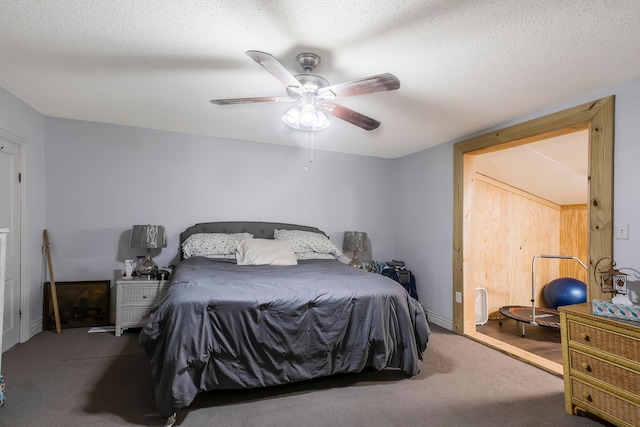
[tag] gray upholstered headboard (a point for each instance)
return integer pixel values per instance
(261, 230)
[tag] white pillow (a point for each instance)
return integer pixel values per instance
(306, 243)
(213, 245)
(265, 252)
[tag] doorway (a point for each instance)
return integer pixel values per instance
(596, 117)
(528, 200)
(10, 217)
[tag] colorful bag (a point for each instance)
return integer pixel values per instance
(3, 394)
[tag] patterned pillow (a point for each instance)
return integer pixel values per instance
(213, 245)
(309, 245)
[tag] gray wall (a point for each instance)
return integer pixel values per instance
(425, 233)
(88, 183)
(101, 179)
(424, 225)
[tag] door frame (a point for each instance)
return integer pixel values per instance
(24, 272)
(598, 117)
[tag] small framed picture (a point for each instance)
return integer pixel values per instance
(80, 304)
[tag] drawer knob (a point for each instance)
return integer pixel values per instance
(586, 396)
(585, 336)
(586, 366)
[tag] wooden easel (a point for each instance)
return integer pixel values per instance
(52, 283)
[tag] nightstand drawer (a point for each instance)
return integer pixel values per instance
(140, 294)
(609, 373)
(134, 315)
(600, 402)
(604, 340)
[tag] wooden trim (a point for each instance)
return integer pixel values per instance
(601, 152)
(576, 207)
(598, 117)
(518, 353)
(458, 219)
(517, 191)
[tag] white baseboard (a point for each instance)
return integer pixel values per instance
(34, 328)
(440, 320)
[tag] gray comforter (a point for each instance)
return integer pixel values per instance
(224, 326)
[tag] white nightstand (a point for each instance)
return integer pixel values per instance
(134, 298)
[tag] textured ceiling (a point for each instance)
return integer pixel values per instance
(464, 66)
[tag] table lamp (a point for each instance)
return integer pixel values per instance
(148, 237)
(355, 241)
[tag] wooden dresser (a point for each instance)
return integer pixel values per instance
(601, 361)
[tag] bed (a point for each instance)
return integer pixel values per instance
(270, 309)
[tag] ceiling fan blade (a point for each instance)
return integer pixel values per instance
(232, 101)
(361, 86)
(347, 114)
(271, 64)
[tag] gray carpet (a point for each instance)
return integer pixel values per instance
(80, 379)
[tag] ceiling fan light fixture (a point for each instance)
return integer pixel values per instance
(315, 119)
(322, 123)
(310, 90)
(292, 117)
(308, 115)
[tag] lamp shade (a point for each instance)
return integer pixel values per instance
(148, 236)
(322, 122)
(292, 118)
(308, 115)
(355, 241)
(305, 117)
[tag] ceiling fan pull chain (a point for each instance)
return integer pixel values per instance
(312, 133)
(309, 159)
(306, 150)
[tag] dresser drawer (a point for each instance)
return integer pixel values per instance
(145, 295)
(617, 376)
(597, 401)
(603, 340)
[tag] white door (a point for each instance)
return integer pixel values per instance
(10, 218)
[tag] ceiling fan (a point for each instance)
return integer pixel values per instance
(313, 94)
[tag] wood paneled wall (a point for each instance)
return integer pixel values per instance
(573, 240)
(509, 227)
